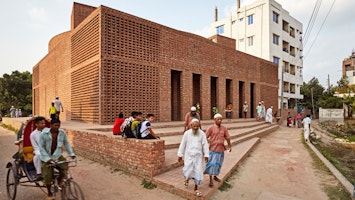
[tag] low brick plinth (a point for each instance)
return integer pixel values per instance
(142, 158)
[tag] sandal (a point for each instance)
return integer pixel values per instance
(186, 183)
(216, 179)
(211, 184)
(198, 193)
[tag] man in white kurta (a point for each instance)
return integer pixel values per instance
(268, 117)
(34, 137)
(306, 122)
(193, 148)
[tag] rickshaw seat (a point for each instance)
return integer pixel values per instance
(28, 154)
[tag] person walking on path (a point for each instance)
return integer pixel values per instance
(306, 122)
(268, 117)
(193, 148)
(52, 111)
(258, 112)
(12, 112)
(58, 105)
(216, 134)
(299, 120)
(263, 110)
(245, 109)
(189, 116)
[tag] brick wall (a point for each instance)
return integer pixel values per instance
(81, 12)
(52, 78)
(225, 41)
(115, 62)
(143, 158)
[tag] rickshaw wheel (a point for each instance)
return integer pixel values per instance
(11, 183)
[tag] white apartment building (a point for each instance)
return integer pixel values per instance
(266, 30)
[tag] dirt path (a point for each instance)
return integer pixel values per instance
(97, 181)
(279, 168)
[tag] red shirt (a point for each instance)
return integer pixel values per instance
(116, 126)
(217, 135)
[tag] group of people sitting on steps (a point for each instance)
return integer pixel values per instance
(134, 126)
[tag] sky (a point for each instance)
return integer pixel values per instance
(28, 26)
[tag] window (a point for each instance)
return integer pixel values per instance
(220, 29)
(241, 40)
(250, 41)
(276, 60)
(241, 19)
(275, 17)
(275, 39)
(233, 22)
(250, 19)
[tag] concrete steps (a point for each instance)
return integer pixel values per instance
(172, 180)
(244, 137)
(235, 130)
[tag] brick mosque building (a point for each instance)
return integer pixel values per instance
(111, 62)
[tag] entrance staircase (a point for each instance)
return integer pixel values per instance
(245, 135)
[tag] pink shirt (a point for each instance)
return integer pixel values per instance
(188, 118)
(217, 135)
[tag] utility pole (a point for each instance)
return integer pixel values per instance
(282, 91)
(328, 84)
(312, 102)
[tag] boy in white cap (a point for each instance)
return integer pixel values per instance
(189, 116)
(216, 134)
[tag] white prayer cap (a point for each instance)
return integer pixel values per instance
(217, 116)
(194, 120)
(193, 108)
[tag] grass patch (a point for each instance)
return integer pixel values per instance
(336, 191)
(227, 185)
(9, 127)
(148, 184)
(115, 170)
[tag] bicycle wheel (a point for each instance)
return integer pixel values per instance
(11, 183)
(72, 191)
(313, 138)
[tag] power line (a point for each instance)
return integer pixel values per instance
(311, 22)
(320, 29)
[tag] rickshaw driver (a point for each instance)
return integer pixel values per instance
(51, 142)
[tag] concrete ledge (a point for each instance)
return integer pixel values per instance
(349, 187)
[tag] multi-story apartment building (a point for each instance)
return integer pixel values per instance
(266, 30)
(349, 68)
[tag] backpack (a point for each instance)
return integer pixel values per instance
(127, 131)
(137, 131)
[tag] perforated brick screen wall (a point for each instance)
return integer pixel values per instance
(129, 70)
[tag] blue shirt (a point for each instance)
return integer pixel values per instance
(45, 145)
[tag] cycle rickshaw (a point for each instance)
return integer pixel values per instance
(21, 170)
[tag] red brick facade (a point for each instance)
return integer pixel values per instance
(111, 62)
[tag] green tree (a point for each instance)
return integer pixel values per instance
(343, 85)
(307, 89)
(16, 90)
